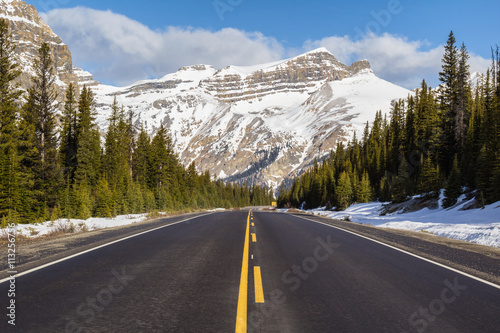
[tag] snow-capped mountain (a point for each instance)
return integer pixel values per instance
(257, 124)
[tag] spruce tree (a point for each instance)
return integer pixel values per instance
(141, 157)
(103, 199)
(10, 196)
(343, 191)
(116, 159)
(89, 146)
(453, 187)
(429, 178)
(449, 95)
(364, 192)
(463, 97)
(69, 141)
(403, 184)
(40, 112)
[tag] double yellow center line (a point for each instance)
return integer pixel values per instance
(241, 315)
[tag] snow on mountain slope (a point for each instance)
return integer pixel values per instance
(257, 124)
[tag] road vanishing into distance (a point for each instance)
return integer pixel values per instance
(249, 271)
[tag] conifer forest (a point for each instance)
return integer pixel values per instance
(443, 138)
(61, 166)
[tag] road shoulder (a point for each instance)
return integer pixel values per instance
(478, 260)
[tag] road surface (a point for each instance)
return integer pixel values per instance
(249, 271)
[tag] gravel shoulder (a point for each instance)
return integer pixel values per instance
(478, 260)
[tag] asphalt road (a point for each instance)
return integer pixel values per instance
(187, 277)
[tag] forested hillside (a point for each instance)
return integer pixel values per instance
(53, 167)
(447, 137)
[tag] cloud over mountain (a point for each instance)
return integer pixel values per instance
(120, 51)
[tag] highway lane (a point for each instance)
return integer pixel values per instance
(182, 278)
(186, 278)
(327, 280)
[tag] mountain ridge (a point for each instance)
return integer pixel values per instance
(243, 127)
(256, 124)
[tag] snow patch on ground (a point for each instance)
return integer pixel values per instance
(480, 225)
(76, 225)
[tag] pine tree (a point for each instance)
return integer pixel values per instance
(89, 146)
(116, 159)
(343, 191)
(39, 111)
(449, 95)
(103, 199)
(429, 178)
(453, 188)
(141, 157)
(403, 184)
(69, 141)
(463, 97)
(10, 196)
(28, 156)
(162, 161)
(364, 191)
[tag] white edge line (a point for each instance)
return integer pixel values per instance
(409, 253)
(97, 247)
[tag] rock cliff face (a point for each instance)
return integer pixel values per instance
(299, 74)
(29, 31)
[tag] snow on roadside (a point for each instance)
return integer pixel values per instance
(480, 226)
(76, 225)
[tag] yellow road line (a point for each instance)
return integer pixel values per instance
(241, 314)
(253, 225)
(254, 238)
(259, 291)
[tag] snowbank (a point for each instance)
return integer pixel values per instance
(75, 225)
(480, 226)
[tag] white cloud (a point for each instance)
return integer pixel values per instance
(394, 58)
(120, 50)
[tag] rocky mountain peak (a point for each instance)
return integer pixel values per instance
(195, 68)
(29, 31)
(304, 73)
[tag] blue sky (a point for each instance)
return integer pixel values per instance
(401, 38)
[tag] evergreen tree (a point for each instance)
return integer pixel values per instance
(162, 161)
(453, 188)
(39, 111)
(103, 199)
(141, 157)
(449, 103)
(364, 191)
(403, 184)
(429, 178)
(116, 159)
(89, 146)
(463, 96)
(343, 191)
(10, 196)
(69, 141)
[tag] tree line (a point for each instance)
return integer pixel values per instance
(54, 166)
(447, 137)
